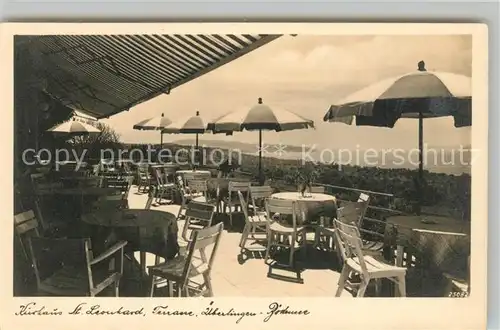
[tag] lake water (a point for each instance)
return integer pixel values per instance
(448, 162)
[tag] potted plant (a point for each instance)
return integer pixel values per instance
(305, 178)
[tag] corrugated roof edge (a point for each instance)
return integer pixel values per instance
(259, 43)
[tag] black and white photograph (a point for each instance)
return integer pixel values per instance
(289, 165)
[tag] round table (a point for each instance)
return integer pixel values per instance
(316, 205)
(151, 231)
(439, 233)
(406, 223)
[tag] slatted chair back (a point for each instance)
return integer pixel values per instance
(366, 199)
(37, 177)
(280, 209)
(112, 202)
(201, 240)
(351, 242)
(68, 266)
(120, 184)
(234, 187)
(169, 173)
(216, 184)
(26, 226)
(258, 195)
(198, 215)
(193, 175)
(198, 186)
(50, 255)
(352, 212)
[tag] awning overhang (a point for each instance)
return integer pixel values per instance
(103, 75)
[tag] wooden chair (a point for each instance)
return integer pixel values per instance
(48, 219)
(26, 226)
(189, 176)
(183, 269)
(197, 189)
(143, 177)
(120, 184)
(257, 222)
(198, 216)
(258, 195)
(115, 201)
(232, 199)
(67, 267)
(366, 267)
(324, 236)
(163, 188)
(281, 234)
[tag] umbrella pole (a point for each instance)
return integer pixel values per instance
(421, 161)
(197, 156)
(260, 155)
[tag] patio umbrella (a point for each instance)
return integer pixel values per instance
(420, 94)
(73, 127)
(258, 118)
(152, 124)
(187, 125)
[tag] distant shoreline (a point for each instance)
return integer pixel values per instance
(290, 156)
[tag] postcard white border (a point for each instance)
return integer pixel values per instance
(409, 313)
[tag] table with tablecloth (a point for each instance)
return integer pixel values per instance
(311, 207)
(150, 231)
(432, 242)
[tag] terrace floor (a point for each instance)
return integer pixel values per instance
(233, 275)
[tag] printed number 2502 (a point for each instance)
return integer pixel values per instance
(459, 294)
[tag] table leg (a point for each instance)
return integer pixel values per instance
(142, 257)
(399, 256)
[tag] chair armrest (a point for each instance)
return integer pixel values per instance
(109, 252)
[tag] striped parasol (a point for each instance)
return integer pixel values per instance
(420, 94)
(258, 118)
(187, 125)
(74, 127)
(153, 124)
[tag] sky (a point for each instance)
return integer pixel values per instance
(306, 74)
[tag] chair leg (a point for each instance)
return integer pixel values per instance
(378, 287)
(362, 287)
(208, 283)
(244, 236)
(152, 286)
(170, 285)
(401, 285)
(292, 250)
(269, 244)
(117, 288)
(342, 280)
(230, 216)
(304, 246)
